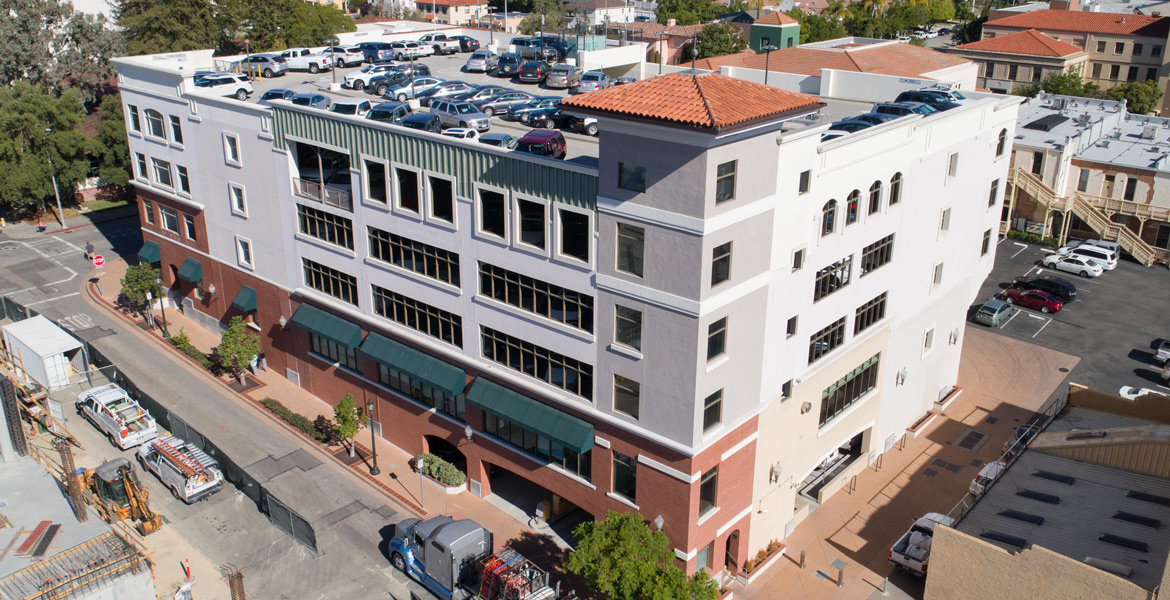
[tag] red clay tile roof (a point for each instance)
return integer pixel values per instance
(776, 18)
(1087, 22)
(890, 58)
(650, 30)
(705, 101)
(1029, 43)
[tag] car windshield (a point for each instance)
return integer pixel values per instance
(302, 100)
(380, 115)
(207, 82)
(530, 147)
(464, 109)
(272, 95)
(345, 109)
(480, 55)
(591, 77)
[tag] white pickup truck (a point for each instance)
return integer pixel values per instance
(440, 42)
(189, 472)
(303, 59)
(118, 416)
(912, 551)
(1163, 353)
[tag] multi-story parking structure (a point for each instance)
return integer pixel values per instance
(716, 321)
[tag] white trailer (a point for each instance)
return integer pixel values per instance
(43, 353)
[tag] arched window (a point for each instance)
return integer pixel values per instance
(829, 217)
(851, 207)
(1002, 145)
(154, 124)
(895, 189)
(875, 197)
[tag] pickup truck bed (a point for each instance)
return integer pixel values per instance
(1163, 353)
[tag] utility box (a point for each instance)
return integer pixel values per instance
(43, 353)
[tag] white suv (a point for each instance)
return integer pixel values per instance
(362, 78)
(1101, 256)
(226, 84)
(112, 411)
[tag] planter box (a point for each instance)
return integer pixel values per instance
(760, 568)
(447, 489)
(956, 391)
(922, 424)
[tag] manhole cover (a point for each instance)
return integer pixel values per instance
(971, 440)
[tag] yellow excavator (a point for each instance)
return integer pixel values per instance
(114, 490)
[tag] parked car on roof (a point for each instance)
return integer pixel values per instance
(593, 81)
(266, 65)
(482, 61)
(993, 312)
(549, 118)
(1085, 267)
(1101, 256)
(275, 94)
(508, 64)
(408, 50)
(351, 106)
(311, 100)
(501, 140)
(462, 133)
(1020, 439)
(303, 59)
(376, 52)
(586, 125)
(440, 44)
(934, 99)
(563, 76)
(520, 112)
(423, 122)
(345, 56)
(378, 85)
(850, 125)
(367, 73)
(445, 89)
(461, 114)
(503, 102)
(483, 92)
(875, 118)
(414, 69)
(234, 85)
(389, 112)
(408, 89)
(903, 109)
(534, 71)
(1133, 393)
(542, 142)
(467, 43)
(624, 80)
(1034, 299)
(535, 48)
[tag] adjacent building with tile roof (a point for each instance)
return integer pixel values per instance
(774, 29)
(1023, 58)
(453, 12)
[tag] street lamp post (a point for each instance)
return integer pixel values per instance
(163, 307)
(374, 470)
(56, 192)
(767, 59)
(661, 48)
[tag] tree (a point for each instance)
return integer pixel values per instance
(154, 26)
(313, 24)
(689, 12)
(553, 13)
(971, 31)
(36, 127)
(1141, 97)
(720, 39)
(815, 28)
(138, 280)
(237, 347)
(346, 420)
(49, 44)
(108, 146)
(939, 11)
(622, 558)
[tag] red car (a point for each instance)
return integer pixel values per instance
(1034, 299)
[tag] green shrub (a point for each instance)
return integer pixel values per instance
(1032, 238)
(181, 339)
(297, 420)
(440, 470)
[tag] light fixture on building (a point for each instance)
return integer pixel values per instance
(658, 522)
(901, 378)
(210, 290)
(804, 408)
(468, 432)
(954, 336)
(283, 322)
(774, 473)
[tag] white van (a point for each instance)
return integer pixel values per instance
(112, 411)
(189, 472)
(987, 476)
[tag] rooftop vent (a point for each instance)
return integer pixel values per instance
(1149, 131)
(1085, 435)
(1022, 516)
(1041, 496)
(1109, 566)
(1151, 498)
(1117, 540)
(1057, 477)
(1046, 123)
(1010, 540)
(1140, 520)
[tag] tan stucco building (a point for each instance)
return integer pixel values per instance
(1021, 59)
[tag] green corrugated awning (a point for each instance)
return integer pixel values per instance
(570, 431)
(191, 271)
(148, 253)
(328, 326)
(413, 362)
(245, 299)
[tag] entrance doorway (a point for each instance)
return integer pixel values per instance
(446, 451)
(521, 498)
(732, 561)
(1163, 238)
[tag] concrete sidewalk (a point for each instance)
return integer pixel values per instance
(19, 230)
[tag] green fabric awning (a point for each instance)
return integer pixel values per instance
(415, 363)
(148, 253)
(570, 431)
(191, 271)
(328, 326)
(245, 299)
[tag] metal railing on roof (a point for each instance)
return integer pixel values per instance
(329, 196)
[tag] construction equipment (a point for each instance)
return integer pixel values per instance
(509, 576)
(114, 490)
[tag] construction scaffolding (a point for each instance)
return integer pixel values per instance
(77, 571)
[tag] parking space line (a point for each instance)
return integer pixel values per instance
(1046, 323)
(1014, 313)
(1022, 248)
(1163, 387)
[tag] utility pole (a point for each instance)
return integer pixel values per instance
(56, 192)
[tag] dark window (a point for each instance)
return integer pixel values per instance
(1131, 74)
(630, 247)
(725, 182)
(993, 195)
(148, 210)
(532, 295)
(1101, 46)
(442, 199)
(849, 389)
(1119, 48)
(826, 340)
(851, 207)
(330, 281)
(540, 363)
(875, 197)
(1037, 163)
(625, 476)
(989, 70)
(532, 222)
(346, 357)
(176, 130)
(491, 213)
(829, 217)
(1130, 188)
(184, 181)
(798, 260)
(154, 123)
(407, 189)
(626, 395)
(986, 243)
(712, 410)
(628, 327)
(422, 391)
(418, 316)
(877, 254)
(325, 226)
(537, 445)
(1096, 70)
(141, 162)
(707, 488)
(805, 182)
(791, 328)
(190, 222)
(1001, 145)
(1013, 72)
(575, 234)
(170, 218)
(421, 258)
(832, 278)
(720, 264)
(631, 177)
(135, 122)
(869, 313)
(1083, 180)
(717, 338)
(376, 182)
(896, 189)
(1137, 49)
(1037, 74)
(1151, 73)
(1155, 50)
(1114, 71)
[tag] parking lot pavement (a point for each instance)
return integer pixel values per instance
(1113, 325)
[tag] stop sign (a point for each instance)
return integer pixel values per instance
(99, 260)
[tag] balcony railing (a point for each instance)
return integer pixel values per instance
(329, 196)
